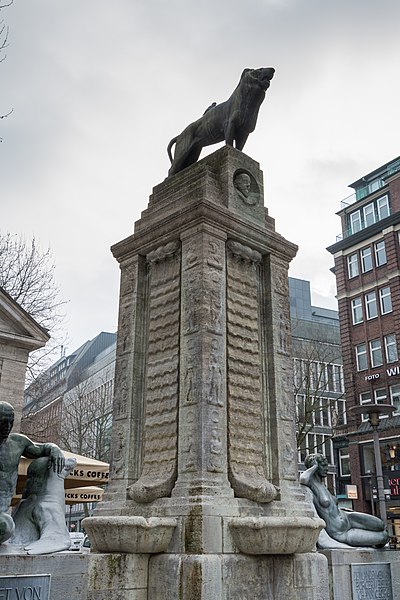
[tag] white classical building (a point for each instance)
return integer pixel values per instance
(20, 334)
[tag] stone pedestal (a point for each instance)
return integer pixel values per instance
(203, 421)
(377, 576)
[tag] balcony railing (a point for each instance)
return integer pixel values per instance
(348, 201)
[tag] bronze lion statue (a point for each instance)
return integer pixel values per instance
(231, 121)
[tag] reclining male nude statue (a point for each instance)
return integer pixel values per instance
(343, 529)
(12, 447)
(40, 516)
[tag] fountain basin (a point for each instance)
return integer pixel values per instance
(133, 535)
(275, 535)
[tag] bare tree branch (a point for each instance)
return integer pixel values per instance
(318, 389)
(86, 420)
(27, 275)
(4, 33)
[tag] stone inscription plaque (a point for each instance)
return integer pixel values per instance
(25, 587)
(371, 580)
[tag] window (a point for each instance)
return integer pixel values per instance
(328, 449)
(390, 348)
(375, 351)
(297, 373)
(352, 265)
(369, 214)
(365, 398)
(366, 259)
(323, 412)
(344, 462)
(356, 311)
(395, 397)
(314, 375)
(375, 185)
(355, 221)
(385, 300)
(380, 396)
(382, 205)
(361, 357)
(380, 253)
(338, 378)
(371, 307)
(341, 411)
(328, 377)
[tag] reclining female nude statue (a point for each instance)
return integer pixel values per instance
(343, 529)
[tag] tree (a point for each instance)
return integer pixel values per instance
(86, 419)
(4, 31)
(318, 389)
(78, 419)
(27, 275)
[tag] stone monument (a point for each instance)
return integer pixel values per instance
(204, 500)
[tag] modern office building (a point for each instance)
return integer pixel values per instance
(367, 270)
(318, 375)
(71, 402)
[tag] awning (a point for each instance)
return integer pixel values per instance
(83, 494)
(87, 472)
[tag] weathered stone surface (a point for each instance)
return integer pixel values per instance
(235, 577)
(115, 574)
(340, 562)
(69, 572)
(275, 535)
(204, 412)
(135, 535)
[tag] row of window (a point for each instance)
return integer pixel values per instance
(321, 411)
(316, 375)
(369, 214)
(381, 396)
(376, 351)
(371, 301)
(366, 258)
(316, 442)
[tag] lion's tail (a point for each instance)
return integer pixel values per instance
(172, 142)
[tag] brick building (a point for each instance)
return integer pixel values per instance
(367, 269)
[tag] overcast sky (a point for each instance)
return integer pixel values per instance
(98, 88)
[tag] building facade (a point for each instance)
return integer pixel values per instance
(20, 334)
(367, 270)
(318, 376)
(71, 403)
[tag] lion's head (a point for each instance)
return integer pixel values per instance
(260, 76)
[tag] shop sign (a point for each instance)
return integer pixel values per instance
(391, 372)
(394, 484)
(351, 492)
(372, 377)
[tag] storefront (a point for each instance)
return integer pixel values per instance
(390, 457)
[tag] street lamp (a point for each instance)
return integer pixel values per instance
(374, 411)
